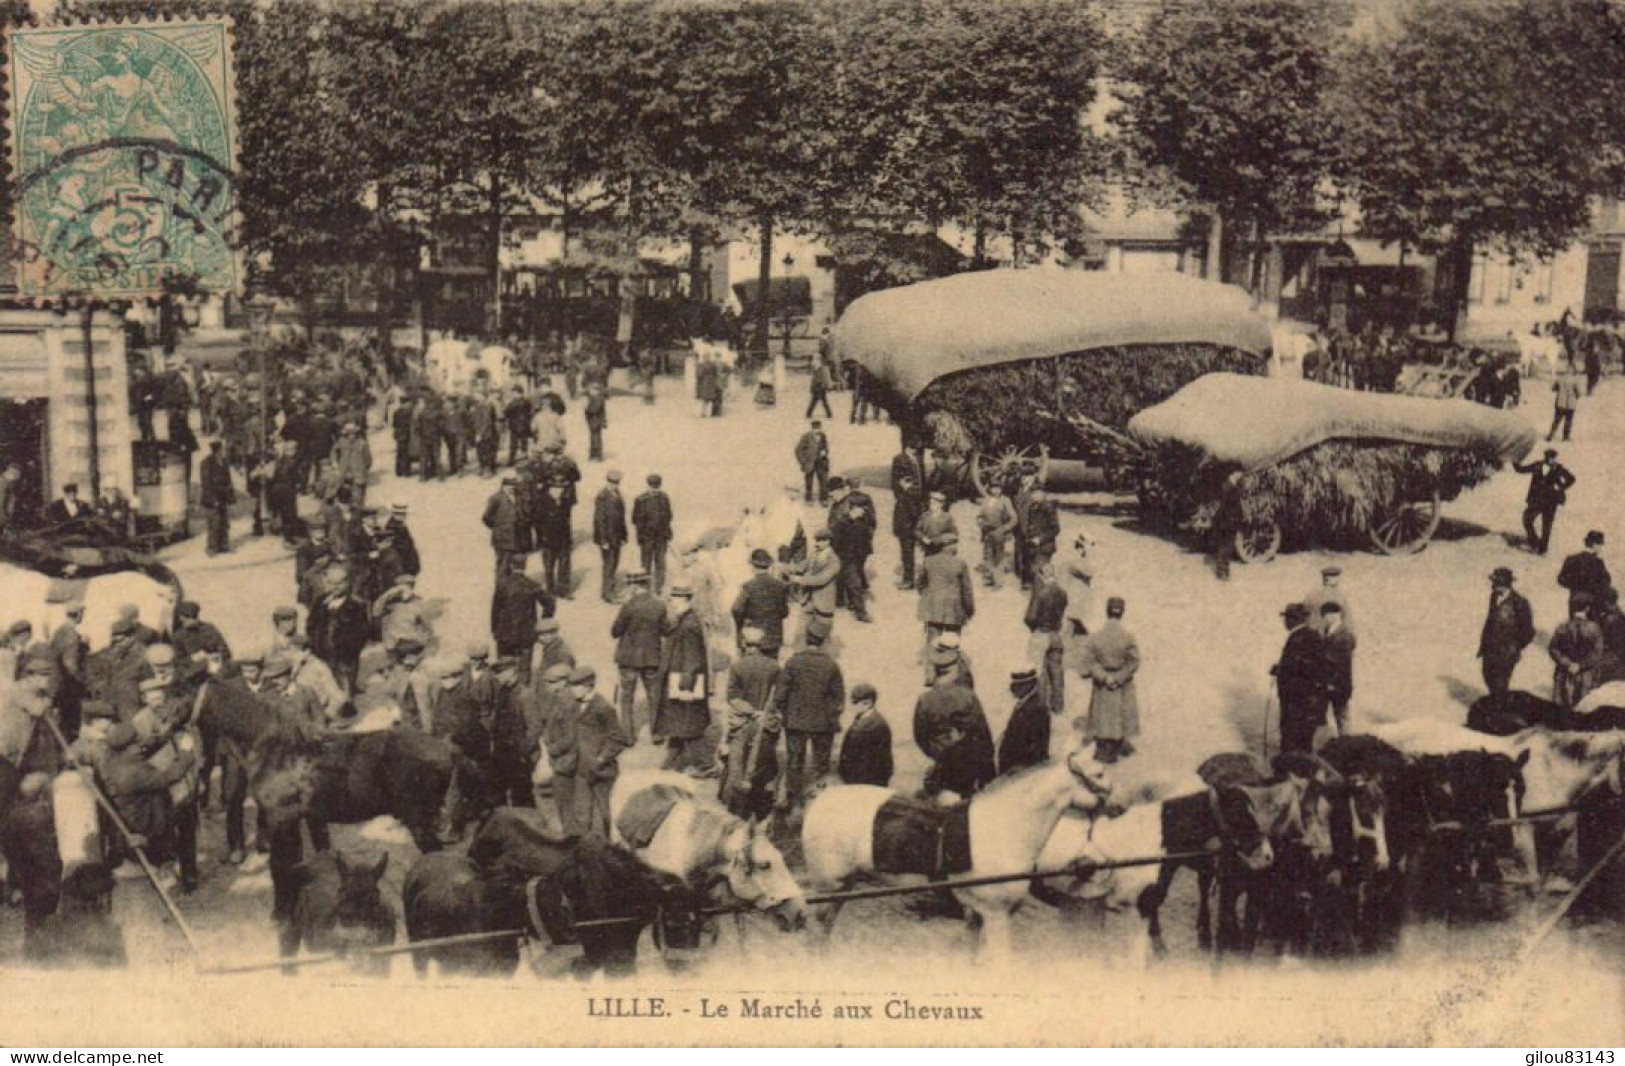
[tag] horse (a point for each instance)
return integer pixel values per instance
(657, 815)
(1247, 822)
(338, 907)
(521, 873)
(1364, 833)
(1562, 770)
(337, 777)
(1000, 831)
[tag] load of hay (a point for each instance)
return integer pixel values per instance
(1027, 403)
(1333, 492)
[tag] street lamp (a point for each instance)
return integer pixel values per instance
(259, 310)
(789, 321)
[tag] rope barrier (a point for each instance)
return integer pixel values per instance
(390, 949)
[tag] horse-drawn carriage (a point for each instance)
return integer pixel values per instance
(1003, 372)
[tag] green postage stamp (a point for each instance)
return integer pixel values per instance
(123, 150)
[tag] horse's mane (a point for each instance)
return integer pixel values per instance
(248, 719)
(1581, 747)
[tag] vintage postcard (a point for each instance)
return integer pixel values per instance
(813, 522)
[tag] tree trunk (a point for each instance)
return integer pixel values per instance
(1255, 252)
(494, 264)
(626, 330)
(698, 283)
(1461, 274)
(1215, 248)
(979, 249)
(764, 283)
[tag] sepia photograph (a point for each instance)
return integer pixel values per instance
(815, 523)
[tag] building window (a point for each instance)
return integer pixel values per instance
(1475, 281)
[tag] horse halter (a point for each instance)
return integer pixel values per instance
(1101, 790)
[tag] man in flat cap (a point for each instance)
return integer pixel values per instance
(400, 535)
(908, 507)
(596, 411)
(763, 603)
(1509, 628)
(609, 532)
(1339, 644)
(284, 626)
(652, 519)
(1026, 733)
(638, 629)
(936, 525)
(338, 626)
(808, 702)
(553, 716)
(682, 711)
(1576, 651)
(216, 494)
(311, 559)
(813, 584)
(599, 743)
(1111, 660)
(551, 649)
(751, 732)
(352, 459)
(114, 673)
(1300, 680)
(1042, 530)
(194, 638)
(509, 525)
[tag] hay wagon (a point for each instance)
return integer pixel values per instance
(1266, 461)
(1003, 372)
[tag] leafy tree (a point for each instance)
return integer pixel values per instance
(961, 111)
(1228, 100)
(1486, 122)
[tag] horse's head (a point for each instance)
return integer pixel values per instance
(1301, 812)
(1367, 808)
(282, 776)
(757, 874)
(1092, 783)
(359, 878)
(1240, 827)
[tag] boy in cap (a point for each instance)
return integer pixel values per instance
(866, 750)
(996, 519)
(284, 627)
(1576, 651)
(936, 526)
(1330, 590)
(599, 743)
(1509, 627)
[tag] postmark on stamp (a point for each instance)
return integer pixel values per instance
(123, 143)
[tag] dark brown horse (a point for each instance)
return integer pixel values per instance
(334, 777)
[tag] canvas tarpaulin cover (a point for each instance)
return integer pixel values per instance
(1254, 422)
(908, 337)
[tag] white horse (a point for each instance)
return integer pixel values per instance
(698, 840)
(1009, 822)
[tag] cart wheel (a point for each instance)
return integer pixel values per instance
(1258, 543)
(1408, 528)
(1007, 467)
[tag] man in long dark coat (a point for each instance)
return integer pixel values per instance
(1509, 627)
(551, 517)
(752, 681)
(509, 525)
(682, 697)
(515, 604)
(808, 702)
(216, 493)
(338, 627)
(638, 629)
(609, 531)
(652, 518)
(400, 422)
(1585, 571)
(1300, 679)
(907, 508)
(866, 755)
(852, 535)
(763, 603)
(1026, 735)
(599, 743)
